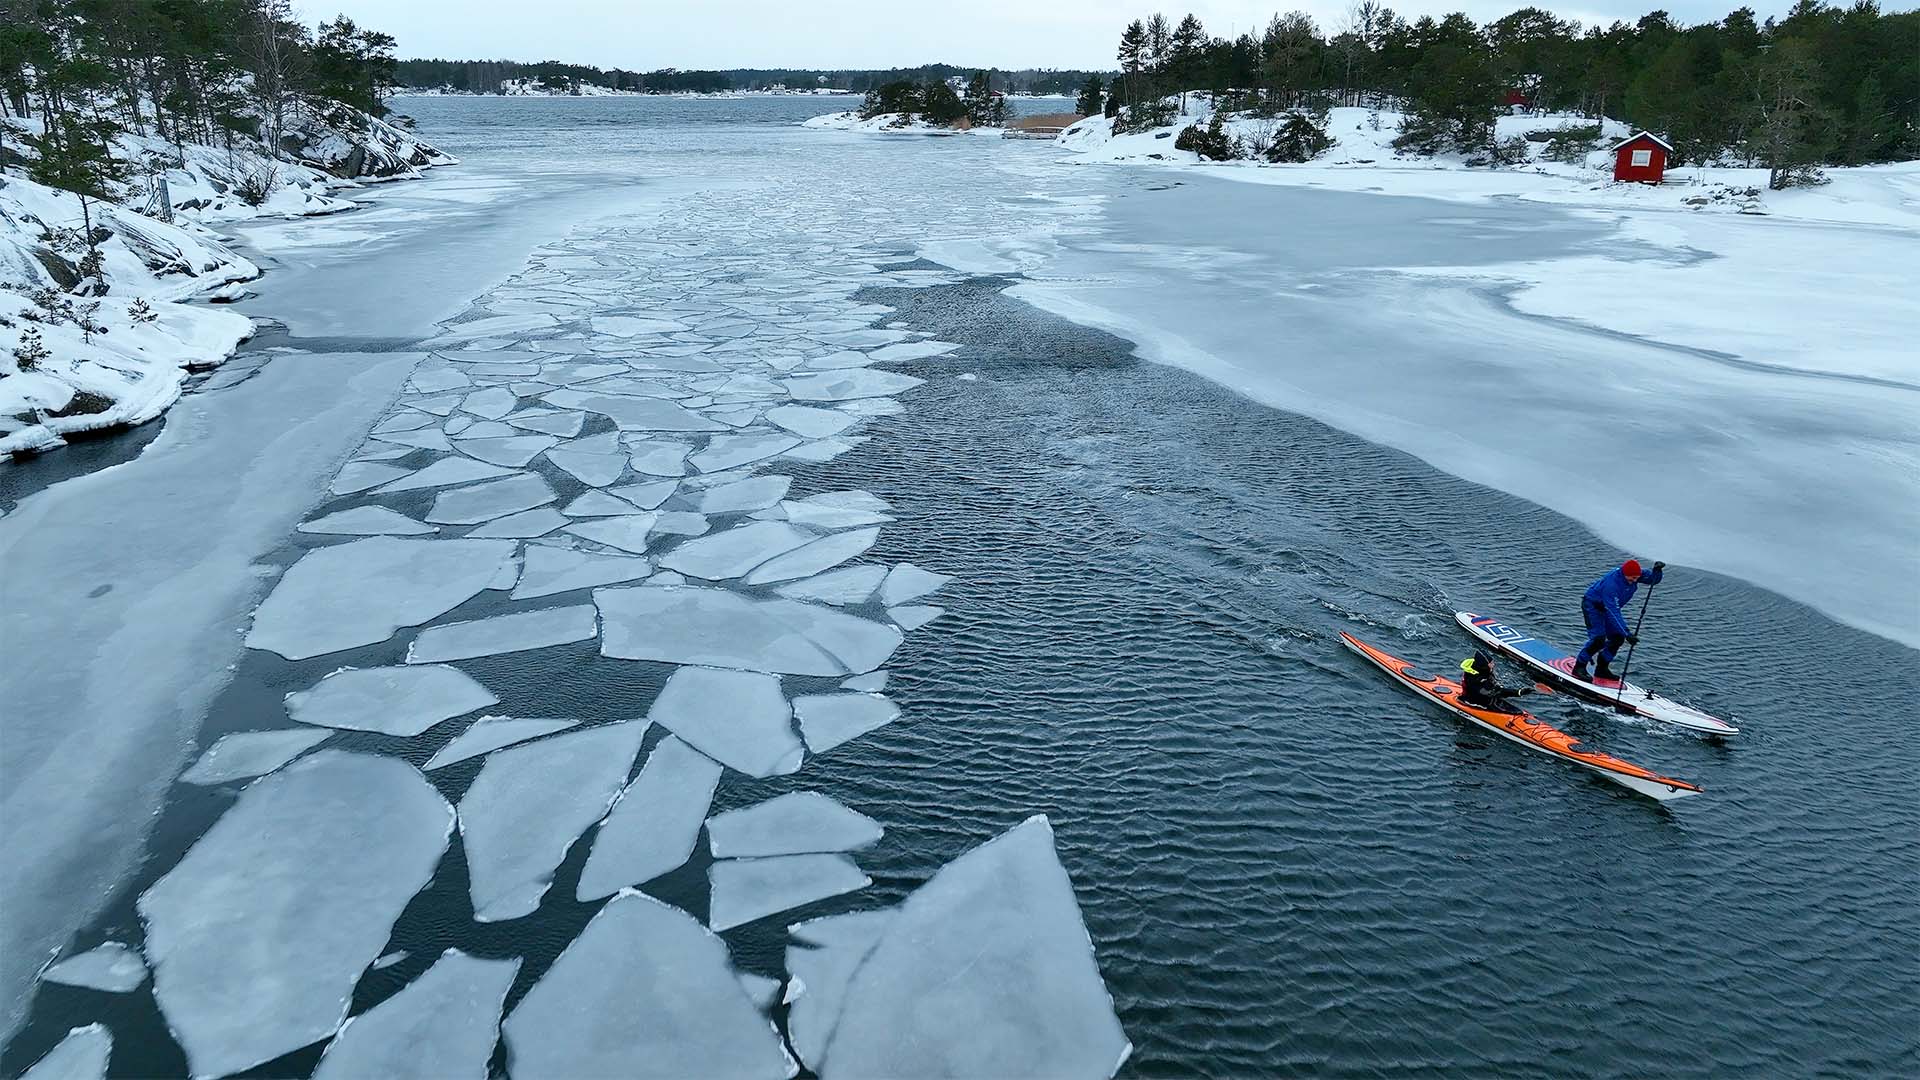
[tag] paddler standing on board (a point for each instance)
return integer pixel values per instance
(1606, 624)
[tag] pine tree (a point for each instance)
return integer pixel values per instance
(1088, 103)
(1133, 59)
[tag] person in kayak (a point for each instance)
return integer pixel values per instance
(1602, 607)
(1481, 687)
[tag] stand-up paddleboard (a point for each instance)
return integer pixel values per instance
(1524, 728)
(1555, 668)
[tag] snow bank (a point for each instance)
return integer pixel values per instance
(883, 124)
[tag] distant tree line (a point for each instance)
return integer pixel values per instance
(485, 77)
(935, 101)
(1823, 85)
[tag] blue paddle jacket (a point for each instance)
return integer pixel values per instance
(1613, 592)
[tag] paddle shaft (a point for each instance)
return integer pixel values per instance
(1619, 696)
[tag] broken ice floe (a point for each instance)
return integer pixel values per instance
(847, 384)
(517, 632)
(247, 754)
(491, 403)
(648, 495)
(597, 504)
(728, 451)
(913, 350)
(549, 570)
(811, 423)
(652, 829)
(872, 682)
(914, 616)
(111, 967)
(996, 937)
(734, 552)
(630, 413)
(753, 493)
(747, 889)
(425, 439)
(628, 533)
(362, 592)
(593, 470)
(258, 935)
(530, 803)
(82, 1055)
(738, 718)
(828, 951)
(838, 510)
(851, 585)
(549, 421)
(441, 1026)
(908, 582)
(367, 521)
(392, 700)
(762, 991)
(493, 499)
(490, 733)
(796, 823)
(524, 525)
(444, 473)
(827, 720)
(696, 625)
(673, 1009)
(656, 458)
(357, 476)
(811, 559)
(513, 451)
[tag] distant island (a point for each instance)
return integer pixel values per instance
(555, 79)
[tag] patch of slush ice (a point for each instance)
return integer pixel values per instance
(494, 499)
(529, 523)
(908, 582)
(111, 967)
(358, 476)
(509, 450)
(490, 733)
(796, 823)
(914, 616)
(831, 949)
(732, 553)
(913, 350)
(504, 634)
(597, 504)
(724, 452)
(671, 1006)
(827, 720)
(749, 889)
(738, 718)
(442, 1025)
(82, 1055)
(698, 625)
(821, 554)
(259, 934)
(361, 592)
(593, 470)
(245, 754)
(646, 496)
(549, 570)
(445, 473)
(811, 423)
(656, 458)
(848, 384)
(653, 828)
(491, 403)
(995, 937)
(754, 493)
(627, 533)
(366, 521)
(853, 585)
(391, 700)
(528, 806)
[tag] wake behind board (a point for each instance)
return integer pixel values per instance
(1555, 668)
(1523, 728)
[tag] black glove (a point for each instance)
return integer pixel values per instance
(1633, 639)
(1523, 690)
(1657, 565)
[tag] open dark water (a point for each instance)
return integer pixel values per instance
(1288, 865)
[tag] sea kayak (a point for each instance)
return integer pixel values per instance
(1524, 728)
(1555, 668)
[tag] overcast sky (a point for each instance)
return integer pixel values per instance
(647, 34)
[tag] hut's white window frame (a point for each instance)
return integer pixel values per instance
(1642, 158)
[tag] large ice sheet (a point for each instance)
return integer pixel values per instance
(696, 625)
(444, 473)
(392, 700)
(112, 967)
(851, 585)
(828, 952)
(792, 824)
(738, 718)
(250, 753)
(908, 582)
(367, 521)
(548, 570)
(494, 499)
(652, 829)
(749, 889)
(645, 991)
(490, 733)
(258, 935)
(753, 493)
(735, 551)
(724, 452)
(441, 1026)
(821, 554)
(848, 384)
(530, 803)
(361, 592)
(82, 1055)
(827, 720)
(517, 632)
(994, 942)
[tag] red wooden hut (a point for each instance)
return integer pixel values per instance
(1641, 159)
